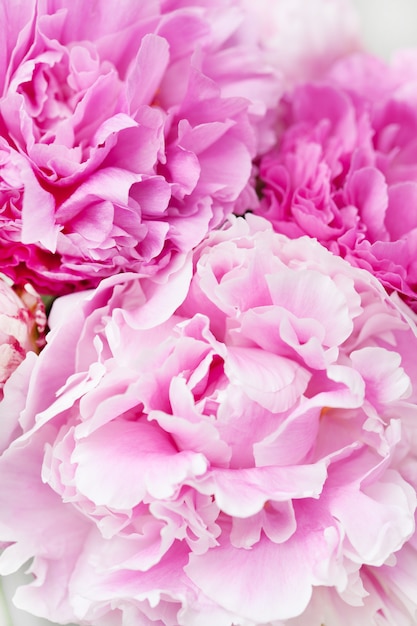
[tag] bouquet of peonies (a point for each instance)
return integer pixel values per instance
(215, 423)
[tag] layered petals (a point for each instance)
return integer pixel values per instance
(242, 452)
(122, 141)
(22, 329)
(344, 167)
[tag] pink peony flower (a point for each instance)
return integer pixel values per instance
(344, 169)
(126, 133)
(22, 326)
(247, 457)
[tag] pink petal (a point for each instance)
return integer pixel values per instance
(235, 578)
(273, 381)
(121, 462)
(243, 492)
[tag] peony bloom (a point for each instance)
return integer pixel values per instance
(344, 169)
(22, 326)
(244, 458)
(127, 131)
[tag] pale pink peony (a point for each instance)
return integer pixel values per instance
(22, 327)
(344, 169)
(303, 38)
(246, 458)
(127, 131)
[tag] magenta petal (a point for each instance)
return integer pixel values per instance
(38, 209)
(400, 220)
(368, 191)
(147, 71)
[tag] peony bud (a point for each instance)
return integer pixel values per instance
(22, 326)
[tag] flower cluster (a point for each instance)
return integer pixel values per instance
(216, 422)
(344, 169)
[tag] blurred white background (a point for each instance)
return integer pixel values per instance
(387, 24)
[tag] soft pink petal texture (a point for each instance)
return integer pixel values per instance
(401, 582)
(232, 441)
(140, 104)
(344, 167)
(227, 574)
(373, 543)
(383, 375)
(159, 593)
(140, 453)
(55, 542)
(138, 302)
(17, 17)
(303, 302)
(270, 380)
(243, 493)
(14, 399)
(327, 607)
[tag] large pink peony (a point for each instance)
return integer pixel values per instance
(127, 130)
(246, 458)
(345, 167)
